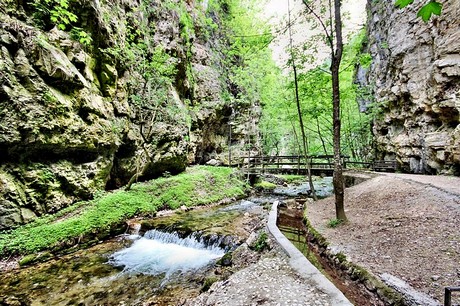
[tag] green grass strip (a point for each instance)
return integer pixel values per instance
(198, 185)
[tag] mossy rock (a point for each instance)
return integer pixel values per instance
(208, 281)
(34, 258)
(264, 186)
(226, 260)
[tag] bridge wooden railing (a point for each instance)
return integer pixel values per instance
(317, 162)
(322, 161)
(288, 163)
(376, 165)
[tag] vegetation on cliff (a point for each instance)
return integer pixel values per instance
(96, 95)
(87, 222)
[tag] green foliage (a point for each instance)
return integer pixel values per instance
(341, 257)
(261, 243)
(316, 103)
(59, 13)
(255, 78)
(82, 36)
(365, 60)
(254, 72)
(152, 69)
(431, 8)
(333, 223)
(157, 70)
(197, 186)
(186, 23)
(56, 10)
(403, 3)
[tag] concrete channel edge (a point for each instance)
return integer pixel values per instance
(302, 265)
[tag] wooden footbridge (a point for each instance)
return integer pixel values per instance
(319, 164)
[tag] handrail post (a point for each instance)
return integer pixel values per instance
(448, 295)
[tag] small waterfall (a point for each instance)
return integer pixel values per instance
(159, 252)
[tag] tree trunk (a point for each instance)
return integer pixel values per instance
(299, 112)
(335, 66)
(304, 138)
(318, 129)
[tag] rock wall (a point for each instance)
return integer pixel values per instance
(78, 117)
(414, 79)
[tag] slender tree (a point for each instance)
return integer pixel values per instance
(335, 43)
(335, 69)
(299, 112)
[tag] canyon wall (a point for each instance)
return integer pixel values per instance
(126, 87)
(412, 86)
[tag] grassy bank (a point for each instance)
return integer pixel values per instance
(90, 220)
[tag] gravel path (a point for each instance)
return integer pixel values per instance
(271, 281)
(404, 228)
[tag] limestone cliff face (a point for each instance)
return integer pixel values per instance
(415, 79)
(76, 118)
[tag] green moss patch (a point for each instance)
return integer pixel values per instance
(292, 179)
(264, 185)
(86, 220)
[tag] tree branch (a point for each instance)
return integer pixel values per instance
(328, 35)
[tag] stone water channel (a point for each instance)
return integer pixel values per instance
(165, 260)
(291, 223)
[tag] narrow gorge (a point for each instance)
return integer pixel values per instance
(96, 95)
(185, 152)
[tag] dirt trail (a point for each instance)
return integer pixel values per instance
(406, 226)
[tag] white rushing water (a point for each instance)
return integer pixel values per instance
(158, 252)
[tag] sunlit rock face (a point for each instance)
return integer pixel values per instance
(414, 78)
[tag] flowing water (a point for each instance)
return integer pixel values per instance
(323, 188)
(154, 267)
(159, 253)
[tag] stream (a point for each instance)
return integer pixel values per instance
(164, 260)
